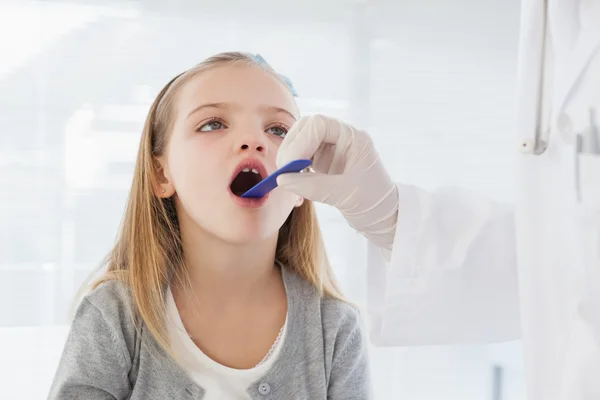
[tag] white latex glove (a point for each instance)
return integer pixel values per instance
(349, 175)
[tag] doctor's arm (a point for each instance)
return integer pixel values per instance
(451, 275)
(442, 265)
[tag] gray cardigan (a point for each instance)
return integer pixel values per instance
(324, 354)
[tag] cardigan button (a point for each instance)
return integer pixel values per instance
(264, 389)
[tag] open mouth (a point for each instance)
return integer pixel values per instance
(245, 180)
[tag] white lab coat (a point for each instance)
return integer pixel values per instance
(467, 269)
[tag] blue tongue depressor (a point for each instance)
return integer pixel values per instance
(270, 182)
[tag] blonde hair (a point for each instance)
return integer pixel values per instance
(148, 252)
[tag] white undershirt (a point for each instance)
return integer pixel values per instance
(218, 381)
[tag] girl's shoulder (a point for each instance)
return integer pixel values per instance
(343, 325)
(110, 305)
(338, 317)
(339, 312)
(334, 332)
(111, 298)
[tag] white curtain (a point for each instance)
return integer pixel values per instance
(433, 81)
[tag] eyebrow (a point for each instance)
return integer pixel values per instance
(224, 106)
(204, 106)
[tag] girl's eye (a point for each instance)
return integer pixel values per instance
(211, 126)
(278, 130)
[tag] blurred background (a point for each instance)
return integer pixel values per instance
(433, 81)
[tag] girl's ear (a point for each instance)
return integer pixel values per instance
(165, 188)
(300, 201)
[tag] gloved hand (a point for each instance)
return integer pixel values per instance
(349, 175)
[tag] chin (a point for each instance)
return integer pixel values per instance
(248, 229)
(248, 236)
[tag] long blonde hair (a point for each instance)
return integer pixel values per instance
(148, 252)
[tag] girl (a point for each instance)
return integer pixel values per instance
(208, 295)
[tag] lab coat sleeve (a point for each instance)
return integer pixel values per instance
(451, 275)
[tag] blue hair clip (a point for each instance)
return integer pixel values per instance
(288, 82)
(260, 60)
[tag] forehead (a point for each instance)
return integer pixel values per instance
(244, 84)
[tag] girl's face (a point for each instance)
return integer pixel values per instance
(228, 124)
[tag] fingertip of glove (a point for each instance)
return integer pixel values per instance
(291, 179)
(283, 179)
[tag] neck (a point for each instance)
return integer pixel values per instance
(226, 273)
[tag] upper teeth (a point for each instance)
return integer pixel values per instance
(248, 170)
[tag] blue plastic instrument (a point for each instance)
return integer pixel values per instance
(270, 182)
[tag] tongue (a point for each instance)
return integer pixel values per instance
(243, 182)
